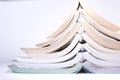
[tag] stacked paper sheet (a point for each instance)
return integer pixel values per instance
(93, 45)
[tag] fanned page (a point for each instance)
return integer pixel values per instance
(65, 51)
(50, 60)
(64, 64)
(92, 46)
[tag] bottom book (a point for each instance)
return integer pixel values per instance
(68, 70)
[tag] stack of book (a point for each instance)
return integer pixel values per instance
(93, 45)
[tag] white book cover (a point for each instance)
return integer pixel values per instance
(102, 55)
(92, 68)
(100, 62)
(77, 58)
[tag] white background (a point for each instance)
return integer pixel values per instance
(23, 23)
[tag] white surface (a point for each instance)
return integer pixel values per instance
(4, 69)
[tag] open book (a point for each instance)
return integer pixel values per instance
(93, 46)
